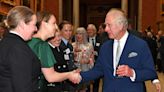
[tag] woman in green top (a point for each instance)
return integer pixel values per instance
(46, 24)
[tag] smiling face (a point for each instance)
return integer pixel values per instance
(91, 30)
(66, 31)
(79, 37)
(56, 40)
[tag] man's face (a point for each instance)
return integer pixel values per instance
(113, 29)
(91, 32)
(66, 31)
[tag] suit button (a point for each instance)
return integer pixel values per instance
(64, 66)
(59, 67)
(39, 77)
(39, 87)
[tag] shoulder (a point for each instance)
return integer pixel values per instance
(36, 42)
(136, 40)
(108, 43)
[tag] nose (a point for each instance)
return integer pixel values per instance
(106, 28)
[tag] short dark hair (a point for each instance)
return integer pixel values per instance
(42, 16)
(61, 25)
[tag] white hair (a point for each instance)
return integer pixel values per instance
(119, 16)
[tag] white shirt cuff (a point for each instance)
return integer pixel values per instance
(155, 81)
(134, 76)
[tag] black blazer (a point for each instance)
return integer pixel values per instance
(97, 45)
(19, 66)
(61, 65)
(70, 60)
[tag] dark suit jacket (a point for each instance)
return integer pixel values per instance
(70, 61)
(19, 66)
(97, 46)
(142, 63)
(61, 64)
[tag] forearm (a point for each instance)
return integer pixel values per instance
(52, 76)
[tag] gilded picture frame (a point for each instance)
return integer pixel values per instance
(10, 2)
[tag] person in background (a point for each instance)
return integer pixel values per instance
(125, 61)
(102, 34)
(161, 49)
(60, 66)
(66, 29)
(19, 66)
(3, 30)
(95, 40)
(159, 63)
(83, 54)
(46, 24)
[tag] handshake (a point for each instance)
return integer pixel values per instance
(74, 76)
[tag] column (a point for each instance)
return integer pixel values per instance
(60, 11)
(124, 6)
(76, 13)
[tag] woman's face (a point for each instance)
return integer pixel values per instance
(79, 37)
(30, 28)
(50, 26)
(56, 40)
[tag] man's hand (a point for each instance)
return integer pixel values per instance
(124, 70)
(75, 77)
(157, 86)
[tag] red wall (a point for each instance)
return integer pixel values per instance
(52, 6)
(149, 14)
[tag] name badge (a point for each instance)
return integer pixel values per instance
(66, 57)
(67, 51)
(97, 44)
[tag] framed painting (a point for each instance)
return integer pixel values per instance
(10, 2)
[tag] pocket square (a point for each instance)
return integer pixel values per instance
(132, 54)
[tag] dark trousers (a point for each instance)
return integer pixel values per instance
(96, 85)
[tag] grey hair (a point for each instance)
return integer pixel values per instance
(82, 31)
(120, 16)
(92, 26)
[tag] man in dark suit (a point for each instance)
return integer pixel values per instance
(95, 40)
(19, 66)
(125, 61)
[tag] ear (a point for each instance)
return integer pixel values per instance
(43, 24)
(121, 26)
(22, 24)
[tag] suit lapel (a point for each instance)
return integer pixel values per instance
(125, 50)
(110, 46)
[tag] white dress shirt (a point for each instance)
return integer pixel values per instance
(122, 42)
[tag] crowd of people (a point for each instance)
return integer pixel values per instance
(38, 55)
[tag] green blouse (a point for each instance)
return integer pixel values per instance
(43, 51)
